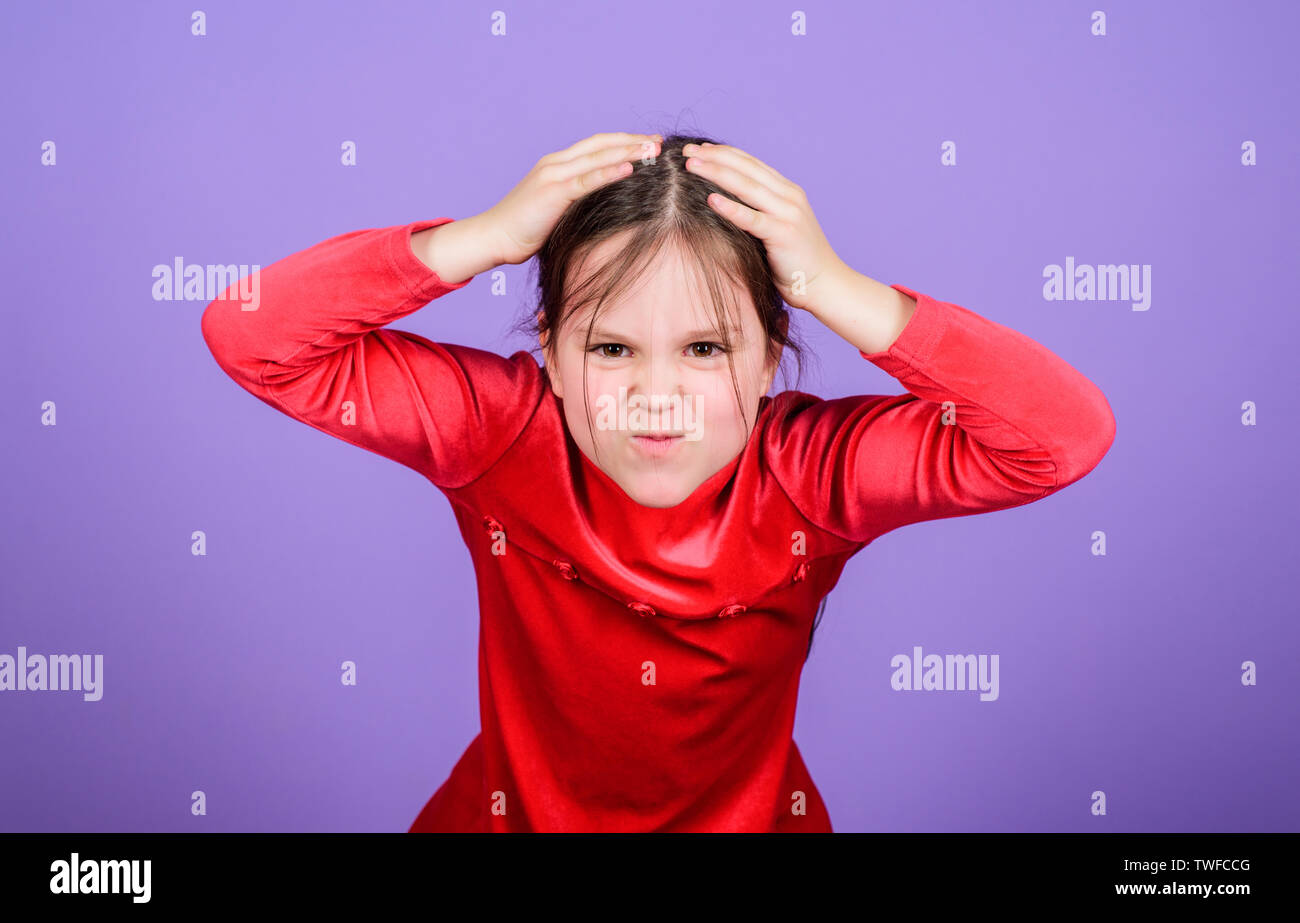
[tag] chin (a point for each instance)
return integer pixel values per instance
(656, 495)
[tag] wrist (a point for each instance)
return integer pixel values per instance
(867, 313)
(458, 250)
(485, 241)
(832, 286)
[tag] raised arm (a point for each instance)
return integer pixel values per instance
(316, 349)
(992, 419)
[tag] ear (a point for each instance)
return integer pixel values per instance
(544, 341)
(783, 323)
(770, 376)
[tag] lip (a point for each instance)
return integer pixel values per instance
(657, 446)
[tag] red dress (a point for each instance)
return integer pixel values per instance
(639, 667)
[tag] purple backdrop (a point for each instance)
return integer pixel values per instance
(957, 148)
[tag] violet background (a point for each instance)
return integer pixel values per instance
(1118, 673)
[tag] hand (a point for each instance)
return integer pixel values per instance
(776, 211)
(524, 218)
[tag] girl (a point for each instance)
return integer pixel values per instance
(652, 534)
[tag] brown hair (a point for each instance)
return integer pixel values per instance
(660, 203)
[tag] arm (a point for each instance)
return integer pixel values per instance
(992, 420)
(316, 349)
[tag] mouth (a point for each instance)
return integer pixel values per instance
(659, 444)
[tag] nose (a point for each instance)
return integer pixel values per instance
(659, 373)
(657, 380)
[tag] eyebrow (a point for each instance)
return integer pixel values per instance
(694, 336)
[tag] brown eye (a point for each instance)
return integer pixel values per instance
(608, 346)
(717, 348)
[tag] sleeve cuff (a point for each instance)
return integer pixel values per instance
(421, 281)
(919, 337)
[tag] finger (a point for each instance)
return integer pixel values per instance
(744, 217)
(597, 160)
(739, 179)
(602, 140)
(748, 164)
(582, 183)
(778, 180)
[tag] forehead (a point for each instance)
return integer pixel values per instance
(671, 291)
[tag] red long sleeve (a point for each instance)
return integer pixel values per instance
(639, 667)
(315, 349)
(1024, 423)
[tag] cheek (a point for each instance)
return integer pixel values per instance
(602, 385)
(602, 389)
(719, 422)
(575, 377)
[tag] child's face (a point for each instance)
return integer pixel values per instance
(651, 372)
